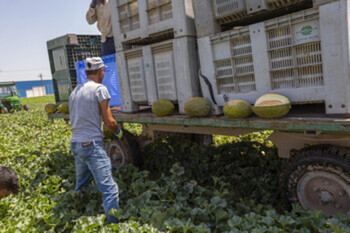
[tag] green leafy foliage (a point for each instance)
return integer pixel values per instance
(38, 100)
(239, 169)
(184, 187)
(135, 129)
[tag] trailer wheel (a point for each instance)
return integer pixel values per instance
(4, 110)
(318, 178)
(203, 139)
(124, 151)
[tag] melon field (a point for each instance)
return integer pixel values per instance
(229, 186)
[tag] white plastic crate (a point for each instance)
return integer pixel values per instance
(233, 11)
(166, 70)
(230, 10)
(142, 21)
(304, 56)
(321, 2)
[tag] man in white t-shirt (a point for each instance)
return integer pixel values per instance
(100, 12)
(87, 103)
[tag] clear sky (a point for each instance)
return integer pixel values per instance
(25, 27)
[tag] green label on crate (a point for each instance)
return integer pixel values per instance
(307, 30)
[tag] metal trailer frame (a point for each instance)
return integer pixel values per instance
(293, 132)
(290, 132)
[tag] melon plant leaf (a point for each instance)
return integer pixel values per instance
(230, 186)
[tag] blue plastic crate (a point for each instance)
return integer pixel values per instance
(110, 79)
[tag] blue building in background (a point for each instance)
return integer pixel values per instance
(22, 86)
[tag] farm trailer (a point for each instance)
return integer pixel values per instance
(317, 174)
(302, 54)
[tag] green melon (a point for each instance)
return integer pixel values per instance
(272, 106)
(197, 107)
(64, 108)
(163, 107)
(237, 109)
(50, 108)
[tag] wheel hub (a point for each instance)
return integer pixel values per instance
(326, 197)
(116, 155)
(325, 191)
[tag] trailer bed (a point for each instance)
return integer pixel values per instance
(293, 122)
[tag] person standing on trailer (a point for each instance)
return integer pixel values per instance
(87, 103)
(100, 12)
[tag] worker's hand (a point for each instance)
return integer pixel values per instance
(93, 3)
(119, 133)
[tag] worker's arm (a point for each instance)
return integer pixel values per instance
(91, 15)
(107, 117)
(103, 97)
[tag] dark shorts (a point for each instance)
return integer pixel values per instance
(108, 48)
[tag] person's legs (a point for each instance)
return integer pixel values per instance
(108, 48)
(83, 174)
(101, 168)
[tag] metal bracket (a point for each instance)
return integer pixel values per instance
(312, 133)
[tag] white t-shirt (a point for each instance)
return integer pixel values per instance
(85, 113)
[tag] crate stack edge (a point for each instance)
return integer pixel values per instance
(158, 59)
(336, 56)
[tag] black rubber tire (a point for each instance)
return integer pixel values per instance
(4, 110)
(203, 139)
(324, 158)
(128, 147)
(26, 107)
(134, 148)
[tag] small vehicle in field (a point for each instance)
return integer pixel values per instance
(10, 99)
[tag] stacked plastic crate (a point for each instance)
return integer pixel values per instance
(303, 55)
(156, 51)
(64, 52)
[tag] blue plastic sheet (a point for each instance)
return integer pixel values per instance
(110, 79)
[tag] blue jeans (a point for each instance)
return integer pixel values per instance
(91, 160)
(108, 48)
